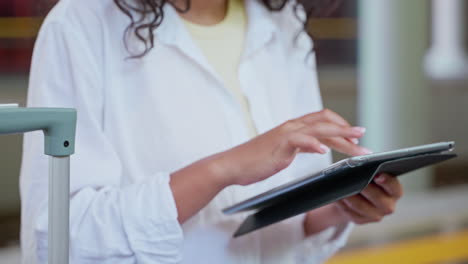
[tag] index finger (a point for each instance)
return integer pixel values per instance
(325, 114)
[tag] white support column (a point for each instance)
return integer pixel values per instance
(59, 204)
(393, 93)
(447, 59)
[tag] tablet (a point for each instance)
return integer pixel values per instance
(281, 192)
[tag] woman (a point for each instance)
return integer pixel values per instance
(184, 110)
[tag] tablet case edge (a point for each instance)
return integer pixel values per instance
(270, 215)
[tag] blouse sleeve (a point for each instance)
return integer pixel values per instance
(108, 223)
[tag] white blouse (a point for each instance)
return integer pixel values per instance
(141, 119)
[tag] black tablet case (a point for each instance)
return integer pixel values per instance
(333, 187)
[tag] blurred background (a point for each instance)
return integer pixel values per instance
(397, 67)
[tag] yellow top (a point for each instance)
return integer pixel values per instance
(222, 44)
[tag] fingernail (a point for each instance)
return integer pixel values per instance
(366, 151)
(355, 141)
(324, 148)
(380, 179)
(361, 130)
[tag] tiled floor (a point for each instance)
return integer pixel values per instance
(443, 248)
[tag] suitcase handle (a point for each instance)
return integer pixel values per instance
(58, 125)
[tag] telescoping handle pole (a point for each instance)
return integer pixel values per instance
(59, 209)
(59, 126)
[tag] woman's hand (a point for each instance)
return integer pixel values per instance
(274, 150)
(375, 202)
(195, 185)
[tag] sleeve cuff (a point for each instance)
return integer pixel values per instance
(149, 215)
(319, 247)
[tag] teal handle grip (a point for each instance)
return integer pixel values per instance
(58, 125)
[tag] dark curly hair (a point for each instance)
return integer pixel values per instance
(146, 15)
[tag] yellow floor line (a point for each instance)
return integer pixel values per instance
(429, 250)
